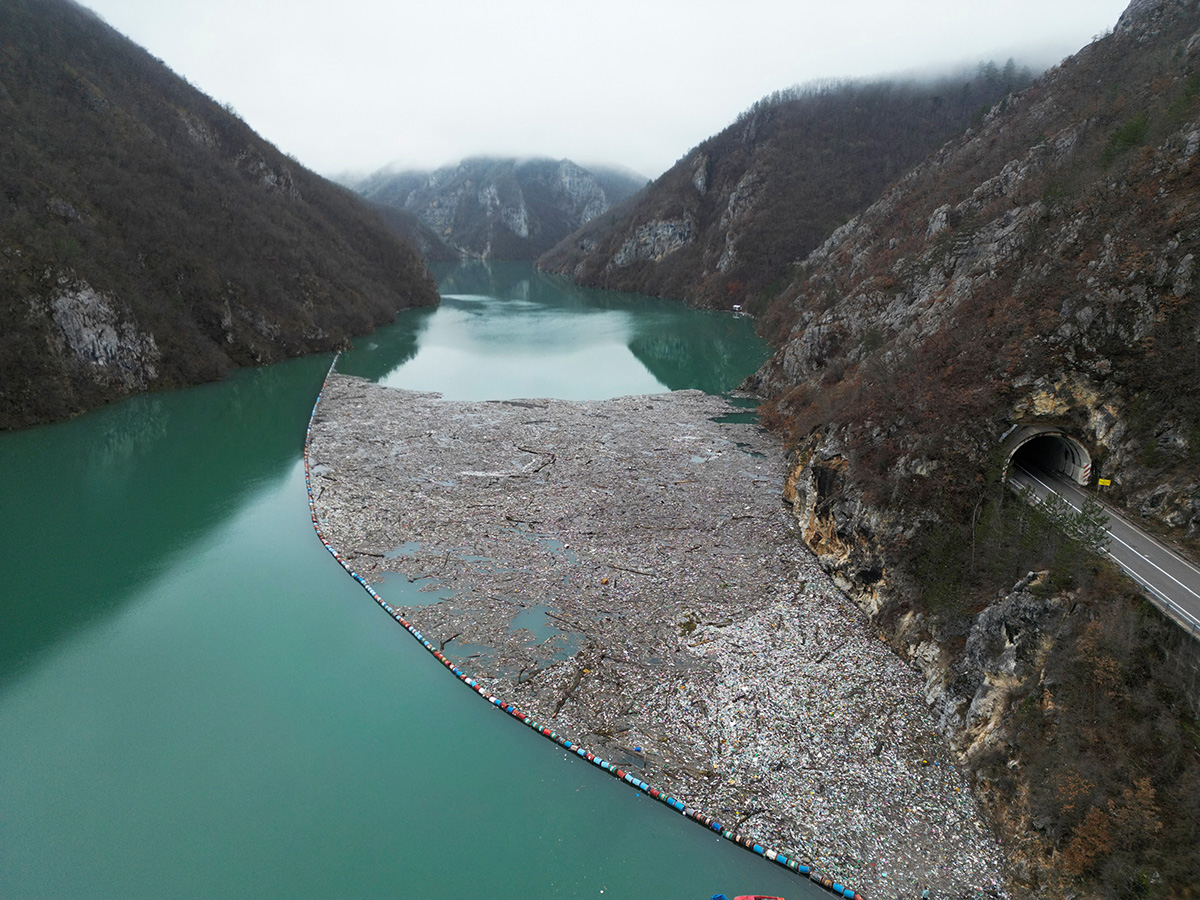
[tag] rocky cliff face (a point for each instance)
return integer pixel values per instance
(1040, 270)
(101, 338)
(726, 222)
(501, 208)
(148, 238)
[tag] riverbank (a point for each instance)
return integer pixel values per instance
(624, 570)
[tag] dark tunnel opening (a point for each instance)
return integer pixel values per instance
(1055, 453)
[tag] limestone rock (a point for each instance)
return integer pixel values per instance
(103, 338)
(501, 208)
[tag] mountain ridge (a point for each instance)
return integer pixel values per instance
(727, 220)
(149, 239)
(501, 207)
(1039, 271)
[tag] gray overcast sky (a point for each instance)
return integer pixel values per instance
(354, 85)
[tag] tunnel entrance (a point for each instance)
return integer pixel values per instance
(1051, 450)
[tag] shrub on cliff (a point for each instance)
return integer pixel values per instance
(1040, 270)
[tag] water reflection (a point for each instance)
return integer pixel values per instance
(102, 503)
(388, 348)
(504, 330)
(237, 719)
(709, 355)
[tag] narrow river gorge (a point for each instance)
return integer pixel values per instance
(196, 701)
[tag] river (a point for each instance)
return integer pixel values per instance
(196, 701)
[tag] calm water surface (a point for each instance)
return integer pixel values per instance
(195, 700)
(503, 331)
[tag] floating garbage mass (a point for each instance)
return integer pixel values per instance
(697, 816)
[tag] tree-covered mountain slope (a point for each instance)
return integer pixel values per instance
(1039, 271)
(148, 238)
(724, 223)
(502, 208)
(410, 229)
(1042, 268)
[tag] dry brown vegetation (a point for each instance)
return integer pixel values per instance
(778, 181)
(117, 173)
(1103, 740)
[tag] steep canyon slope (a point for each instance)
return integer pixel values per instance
(1041, 270)
(726, 221)
(502, 208)
(149, 239)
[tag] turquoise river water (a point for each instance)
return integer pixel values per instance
(197, 702)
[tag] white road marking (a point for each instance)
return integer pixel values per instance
(1125, 543)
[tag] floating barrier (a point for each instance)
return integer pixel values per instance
(700, 818)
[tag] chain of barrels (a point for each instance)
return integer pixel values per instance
(707, 821)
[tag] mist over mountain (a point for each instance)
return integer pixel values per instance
(150, 239)
(727, 220)
(502, 208)
(935, 263)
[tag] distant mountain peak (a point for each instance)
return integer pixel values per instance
(501, 207)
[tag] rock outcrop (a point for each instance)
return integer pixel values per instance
(501, 208)
(148, 238)
(101, 338)
(1040, 270)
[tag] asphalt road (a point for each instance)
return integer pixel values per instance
(1168, 579)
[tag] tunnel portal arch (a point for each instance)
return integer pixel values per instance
(1050, 449)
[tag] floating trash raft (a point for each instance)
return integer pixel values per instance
(613, 769)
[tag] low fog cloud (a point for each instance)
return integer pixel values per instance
(365, 83)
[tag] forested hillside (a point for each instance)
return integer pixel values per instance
(148, 238)
(1039, 271)
(723, 224)
(409, 228)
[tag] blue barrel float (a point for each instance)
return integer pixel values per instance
(700, 818)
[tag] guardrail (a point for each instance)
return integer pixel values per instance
(1169, 607)
(1181, 616)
